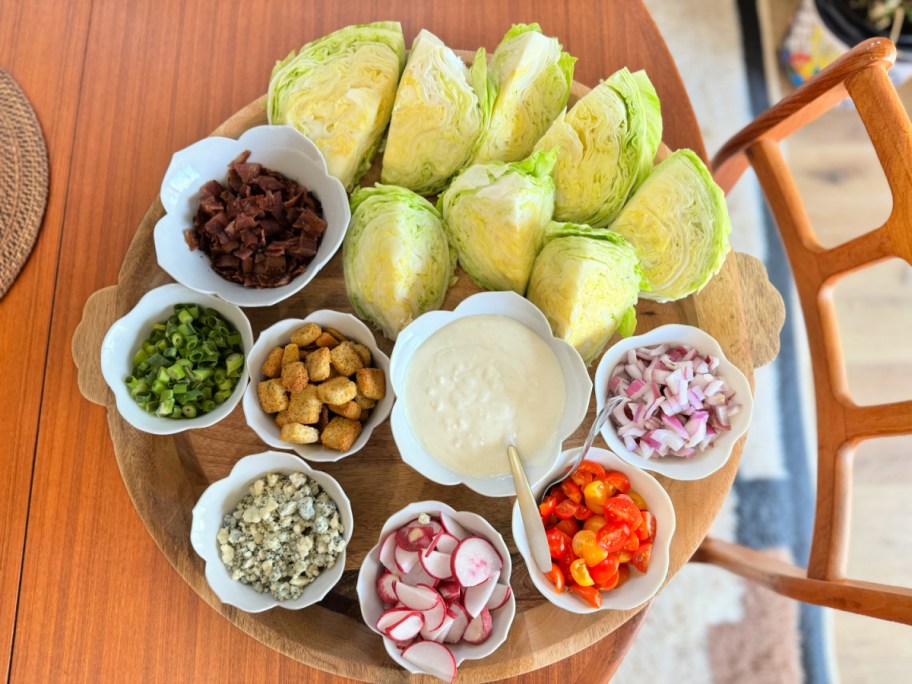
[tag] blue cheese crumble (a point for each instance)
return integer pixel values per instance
(281, 535)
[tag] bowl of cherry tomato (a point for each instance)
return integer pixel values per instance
(609, 528)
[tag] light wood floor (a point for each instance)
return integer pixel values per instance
(844, 190)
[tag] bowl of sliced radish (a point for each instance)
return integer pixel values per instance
(685, 406)
(437, 588)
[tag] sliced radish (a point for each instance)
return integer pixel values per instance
(421, 597)
(385, 584)
(405, 560)
(390, 617)
(477, 597)
(439, 634)
(404, 644)
(460, 622)
(415, 537)
(446, 543)
(474, 561)
(388, 553)
(450, 591)
(499, 596)
(407, 628)
(437, 564)
(452, 527)
(433, 658)
(418, 575)
(479, 628)
(434, 542)
(434, 617)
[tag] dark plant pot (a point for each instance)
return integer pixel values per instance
(851, 26)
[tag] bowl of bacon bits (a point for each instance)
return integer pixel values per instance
(685, 405)
(251, 220)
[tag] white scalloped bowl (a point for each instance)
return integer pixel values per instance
(701, 464)
(509, 304)
(221, 498)
(125, 336)
(279, 335)
(640, 587)
(280, 148)
(372, 606)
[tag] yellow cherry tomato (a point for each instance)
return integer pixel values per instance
(580, 573)
(596, 493)
(580, 539)
(595, 523)
(625, 556)
(594, 554)
(638, 500)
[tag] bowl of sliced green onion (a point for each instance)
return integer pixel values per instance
(177, 360)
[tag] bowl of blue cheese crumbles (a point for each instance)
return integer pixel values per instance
(272, 533)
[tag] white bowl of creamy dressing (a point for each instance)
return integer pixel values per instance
(471, 380)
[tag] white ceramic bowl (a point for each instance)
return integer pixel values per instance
(372, 606)
(640, 587)
(510, 304)
(125, 336)
(280, 148)
(701, 464)
(222, 497)
(279, 335)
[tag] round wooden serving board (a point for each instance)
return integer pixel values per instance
(165, 475)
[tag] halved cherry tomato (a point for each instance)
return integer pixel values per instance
(595, 523)
(598, 473)
(602, 573)
(564, 563)
(593, 554)
(591, 595)
(638, 500)
(618, 480)
(581, 478)
(613, 536)
(552, 520)
(547, 506)
(583, 513)
(633, 543)
(611, 582)
(557, 578)
(557, 493)
(568, 526)
(625, 556)
(580, 573)
(572, 491)
(624, 510)
(623, 574)
(566, 509)
(641, 557)
(580, 539)
(558, 542)
(596, 493)
(647, 531)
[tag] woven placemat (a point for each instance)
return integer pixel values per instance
(23, 179)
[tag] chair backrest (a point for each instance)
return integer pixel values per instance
(841, 424)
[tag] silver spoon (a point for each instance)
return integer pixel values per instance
(593, 431)
(528, 509)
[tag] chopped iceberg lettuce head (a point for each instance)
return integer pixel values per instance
(678, 222)
(586, 281)
(532, 76)
(606, 144)
(338, 91)
(440, 112)
(397, 261)
(495, 216)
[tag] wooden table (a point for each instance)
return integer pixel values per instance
(117, 87)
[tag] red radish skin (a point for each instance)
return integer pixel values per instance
(388, 553)
(479, 628)
(385, 590)
(453, 527)
(407, 628)
(460, 622)
(434, 542)
(401, 645)
(474, 561)
(433, 658)
(437, 564)
(419, 598)
(450, 591)
(390, 617)
(499, 597)
(415, 537)
(476, 598)
(405, 560)
(436, 615)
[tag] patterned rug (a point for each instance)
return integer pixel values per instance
(708, 625)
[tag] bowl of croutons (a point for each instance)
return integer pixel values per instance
(319, 386)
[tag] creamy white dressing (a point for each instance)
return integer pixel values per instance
(479, 383)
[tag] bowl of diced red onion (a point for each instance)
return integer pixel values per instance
(685, 406)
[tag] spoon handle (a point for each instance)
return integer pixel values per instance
(528, 509)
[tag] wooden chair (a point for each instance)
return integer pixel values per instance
(841, 424)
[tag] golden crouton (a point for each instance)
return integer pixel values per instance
(290, 355)
(306, 335)
(345, 359)
(335, 333)
(363, 401)
(272, 396)
(272, 366)
(337, 391)
(318, 365)
(327, 340)
(363, 352)
(348, 410)
(299, 434)
(365, 415)
(304, 407)
(294, 376)
(282, 418)
(340, 433)
(372, 383)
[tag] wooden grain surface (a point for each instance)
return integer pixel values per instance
(118, 87)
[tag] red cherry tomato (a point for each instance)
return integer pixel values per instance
(546, 507)
(558, 542)
(633, 543)
(591, 595)
(640, 559)
(564, 563)
(618, 480)
(624, 510)
(557, 493)
(647, 531)
(604, 572)
(572, 491)
(612, 582)
(557, 578)
(583, 513)
(613, 536)
(623, 574)
(569, 526)
(566, 509)
(597, 471)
